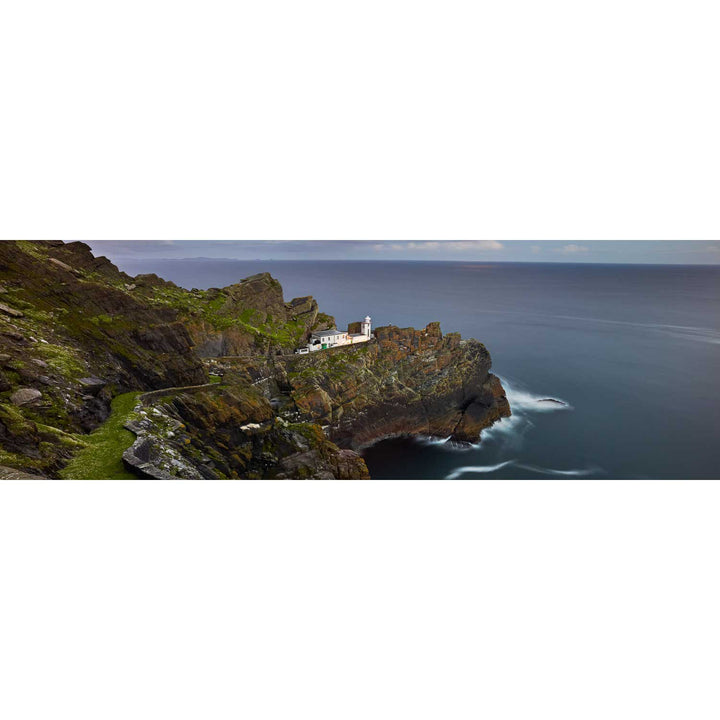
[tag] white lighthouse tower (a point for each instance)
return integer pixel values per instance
(365, 326)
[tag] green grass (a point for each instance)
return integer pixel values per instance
(31, 248)
(261, 326)
(63, 360)
(102, 458)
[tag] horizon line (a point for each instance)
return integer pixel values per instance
(386, 260)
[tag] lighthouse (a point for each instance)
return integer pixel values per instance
(365, 326)
(326, 339)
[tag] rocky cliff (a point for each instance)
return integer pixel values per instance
(227, 397)
(405, 382)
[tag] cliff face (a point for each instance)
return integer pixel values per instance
(71, 336)
(252, 318)
(405, 382)
(82, 307)
(75, 332)
(229, 432)
(308, 415)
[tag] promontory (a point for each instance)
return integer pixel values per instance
(105, 375)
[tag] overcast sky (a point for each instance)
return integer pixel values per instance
(630, 251)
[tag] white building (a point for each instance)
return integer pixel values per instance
(324, 339)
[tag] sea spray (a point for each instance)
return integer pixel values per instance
(523, 401)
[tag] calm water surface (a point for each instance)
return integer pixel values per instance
(634, 351)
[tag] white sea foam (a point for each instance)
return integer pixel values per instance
(510, 429)
(579, 472)
(704, 335)
(508, 433)
(430, 440)
(446, 444)
(477, 469)
(569, 473)
(522, 400)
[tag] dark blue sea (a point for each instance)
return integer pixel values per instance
(633, 351)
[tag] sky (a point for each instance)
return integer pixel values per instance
(598, 251)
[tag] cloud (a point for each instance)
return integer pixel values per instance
(572, 249)
(474, 245)
(440, 245)
(423, 245)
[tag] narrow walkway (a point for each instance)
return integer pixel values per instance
(145, 397)
(102, 457)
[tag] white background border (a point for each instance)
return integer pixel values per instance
(374, 120)
(388, 119)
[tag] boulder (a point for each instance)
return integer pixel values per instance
(25, 396)
(12, 335)
(302, 305)
(60, 264)
(10, 473)
(12, 312)
(92, 385)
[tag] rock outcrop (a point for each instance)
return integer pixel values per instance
(251, 318)
(230, 432)
(406, 381)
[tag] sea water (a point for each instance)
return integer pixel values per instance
(633, 352)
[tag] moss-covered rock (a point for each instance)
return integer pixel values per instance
(232, 432)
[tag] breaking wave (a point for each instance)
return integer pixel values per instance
(523, 400)
(509, 433)
(430, 440)
(446, 443)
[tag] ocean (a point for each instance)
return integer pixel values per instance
(632, 350)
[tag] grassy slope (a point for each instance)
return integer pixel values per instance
(254, 322)
(102, 458)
